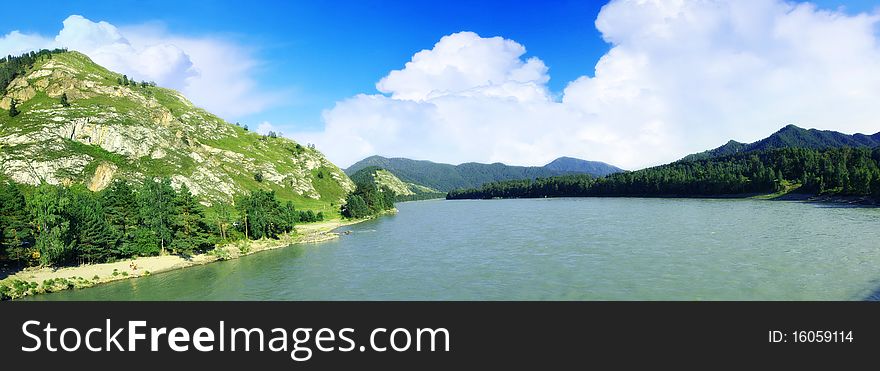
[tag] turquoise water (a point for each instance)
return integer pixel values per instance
(554, 249)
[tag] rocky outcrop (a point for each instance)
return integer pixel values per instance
(111, 131)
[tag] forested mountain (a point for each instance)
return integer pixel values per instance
(403, 191)
(445, 177)
(792, 136)
(576, 165)
(834, 171)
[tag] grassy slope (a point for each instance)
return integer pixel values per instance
(276, 152)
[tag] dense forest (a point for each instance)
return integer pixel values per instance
(12, 67)
(792, 136)
(367, 200)
(836, 171)
(54, 225)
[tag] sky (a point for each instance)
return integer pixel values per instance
(634, 83)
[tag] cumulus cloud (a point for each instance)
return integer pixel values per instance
(680, 77)
(213, 73)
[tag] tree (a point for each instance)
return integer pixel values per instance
(157, 209)
(94, 236)
(64, 102)
(48, 207)
(124, 79)
(13, 108)
(15, 231)
(191, 232)
(120, 207)
(262, 214)
(224, 216)
(355, 207)
(290, 216)
(258, 176)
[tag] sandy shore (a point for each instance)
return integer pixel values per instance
(41, 280)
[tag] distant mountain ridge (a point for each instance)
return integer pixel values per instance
(446, 177)
(792, 136)
(576, 165)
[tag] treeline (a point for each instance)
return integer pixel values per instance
(54, 226)
(367, 200)
(419, 196)
(12, 67)
(838, 171)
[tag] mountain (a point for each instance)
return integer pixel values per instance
(81, 123)
(792, 136)
(446, 177)
(576, 165)
(403, 191)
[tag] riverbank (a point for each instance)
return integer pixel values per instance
(40, 280)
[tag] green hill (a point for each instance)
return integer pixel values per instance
(110, 128)
(792, 136)
(446, 177)
(576, 165)
(403, 191)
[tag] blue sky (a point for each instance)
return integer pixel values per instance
(324, 51)
(289, 63)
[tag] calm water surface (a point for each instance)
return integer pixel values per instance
(554, 249)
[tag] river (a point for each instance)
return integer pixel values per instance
(553, 249)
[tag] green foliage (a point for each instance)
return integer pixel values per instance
(92, 232)
(49, 207)
(16, 236)
(12, 67)
(13, 108)
(792, 137)
(446, 177)
(156, 200)
(263, 216)
(191, 232)
(120, 207)
(837, 171)
(64, 102)
(367, 200)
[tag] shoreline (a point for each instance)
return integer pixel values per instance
(853, 201)
(43, 280)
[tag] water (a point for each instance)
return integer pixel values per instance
(554, 249)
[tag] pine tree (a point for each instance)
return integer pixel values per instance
(95, 238)
(190, 230)
(13, 108)
(64, 102)
(120, 207)
(15, 232)
(48, 207)
(290, 216)
(156, 200)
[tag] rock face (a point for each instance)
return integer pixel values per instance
(111, 131)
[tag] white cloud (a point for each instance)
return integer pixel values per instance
(265, 127)
(680, 77)
(449, 68)
(213, 73)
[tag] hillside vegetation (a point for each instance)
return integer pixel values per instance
(840, 171)
(79, 123)
(792, 136)
(403, 191)
(446, 177)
